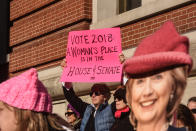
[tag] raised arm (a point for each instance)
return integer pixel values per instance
(70, 95)
(74, 100)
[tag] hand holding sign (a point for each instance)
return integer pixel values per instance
(63, 63)
(122, 58)
(93, 56)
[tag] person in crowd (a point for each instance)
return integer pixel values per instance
(25, 105)
(73, 117)
(122, 111)
(97, 116)
(185, 118)
(157, 73)
(192, 105)
(61, 122)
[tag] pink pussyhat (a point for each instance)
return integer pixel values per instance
(25, 91)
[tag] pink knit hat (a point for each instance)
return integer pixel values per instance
(26, 92)
(165, 48)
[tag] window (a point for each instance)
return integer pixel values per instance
(126, 5)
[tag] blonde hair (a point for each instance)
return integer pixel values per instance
(28, 120)
(179, 77)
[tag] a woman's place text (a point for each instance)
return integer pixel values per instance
(83, 51)
(88, 53)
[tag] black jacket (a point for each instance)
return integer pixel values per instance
(122, 123)
(171, 128)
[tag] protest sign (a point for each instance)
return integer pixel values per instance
(93, 56)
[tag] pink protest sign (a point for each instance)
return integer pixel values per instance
(93, 56)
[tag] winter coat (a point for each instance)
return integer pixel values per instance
(122, 123)
(171, 128)
(103, 119)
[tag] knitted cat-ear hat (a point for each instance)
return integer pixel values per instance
(25, 91)
(165, 48)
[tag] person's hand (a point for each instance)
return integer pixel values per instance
(122, 58)
(68, 85)
(63, 63)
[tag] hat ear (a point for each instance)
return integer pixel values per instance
(26, 91)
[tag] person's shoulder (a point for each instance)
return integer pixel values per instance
(171, 128)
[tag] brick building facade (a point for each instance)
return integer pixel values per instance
(39, 32)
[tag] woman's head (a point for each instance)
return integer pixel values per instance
(14, 119)
(120, 98)
(192, 105)
(157, 95)
(157, 74)
(72, 115)
(100, 93)
(24, 94)
(185, 118)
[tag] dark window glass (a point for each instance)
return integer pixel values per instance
(126, 5)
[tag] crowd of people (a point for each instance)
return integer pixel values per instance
(148, 101)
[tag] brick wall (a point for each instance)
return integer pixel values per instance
(42, 50)
(21, 7)
(39, 39)
(183, 18)
(57, 15)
